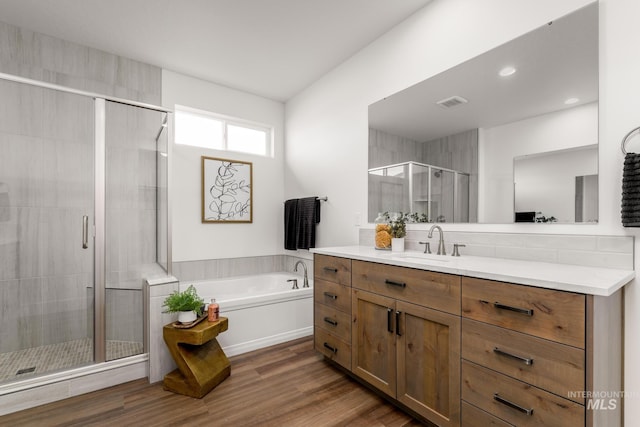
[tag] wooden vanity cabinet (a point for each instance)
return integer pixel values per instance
(466, 351)
(409, 351)
(332, 308)
(528, 354)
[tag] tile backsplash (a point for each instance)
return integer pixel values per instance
(585, 250)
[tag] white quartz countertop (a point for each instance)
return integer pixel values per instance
(572, 278)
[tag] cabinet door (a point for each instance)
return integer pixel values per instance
(429, 362)
(373, 340)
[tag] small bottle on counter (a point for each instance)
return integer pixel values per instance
(213, 311)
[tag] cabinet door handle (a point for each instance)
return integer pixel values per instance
(524, 360)
(330, 321)
(389, 320)
(394, 283)
(510, 404)
(331, 269)
(398, 323)
(525, 311)
(330, 295)
(331, 349)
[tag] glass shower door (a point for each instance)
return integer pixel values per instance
(46, 241)
(134, 138)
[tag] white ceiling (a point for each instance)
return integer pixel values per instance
(554, 62)
(273, 48)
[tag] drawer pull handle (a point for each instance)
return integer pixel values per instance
(393, 283)
(331, 269)
(331, 349)
(330, 295)
(389, 320)
(398, 323)
(510, 404)
(330, 321)
(525, 311)
(524, 360)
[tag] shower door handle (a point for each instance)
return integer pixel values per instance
(85, 231)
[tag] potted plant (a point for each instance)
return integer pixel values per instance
(187, 304)
(398, 226)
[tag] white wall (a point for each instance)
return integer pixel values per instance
(538, 176)
(193, 240)
(499, 145)
(326, 135)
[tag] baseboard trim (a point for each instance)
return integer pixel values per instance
(245, 347)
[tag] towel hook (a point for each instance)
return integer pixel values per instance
(626, 139)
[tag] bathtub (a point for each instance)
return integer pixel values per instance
(262, 309)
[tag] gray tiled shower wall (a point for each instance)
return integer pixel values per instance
(44, 165)
(584, 250)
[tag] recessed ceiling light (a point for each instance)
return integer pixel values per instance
(571, 101)
(507, 71)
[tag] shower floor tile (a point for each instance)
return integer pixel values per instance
(31, 362)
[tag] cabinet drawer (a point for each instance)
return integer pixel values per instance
(332, 295)
(332, 269)
(332, 347)
(554, 315)
(515, 401)
(555, 367)
(332, 320)
(475, 417)
(429, 289)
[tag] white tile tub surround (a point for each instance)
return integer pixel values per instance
(160, 361)
(584, 250)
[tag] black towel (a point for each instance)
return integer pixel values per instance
(631, 190)
(308, 217)
(290, 224)
(300, 219)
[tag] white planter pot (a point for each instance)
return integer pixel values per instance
(397, 244)
(186, 316)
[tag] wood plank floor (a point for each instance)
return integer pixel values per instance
(284, 385)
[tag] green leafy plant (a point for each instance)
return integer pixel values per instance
(397, 223)
(184, 301)
(398, 226)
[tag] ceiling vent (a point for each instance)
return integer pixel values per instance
(451, 102)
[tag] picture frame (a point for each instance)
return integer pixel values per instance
(227, 191)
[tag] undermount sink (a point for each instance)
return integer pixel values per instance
(421, 257)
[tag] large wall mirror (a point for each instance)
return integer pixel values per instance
(510, 135)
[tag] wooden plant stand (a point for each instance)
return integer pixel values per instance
(202, 364)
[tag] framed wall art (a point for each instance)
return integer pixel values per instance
(227, 190)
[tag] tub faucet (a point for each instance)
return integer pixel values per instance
(306, 278)
(441, 250)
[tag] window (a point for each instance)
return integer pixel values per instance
(207, 130)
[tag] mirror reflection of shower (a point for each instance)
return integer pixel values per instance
(441, 194)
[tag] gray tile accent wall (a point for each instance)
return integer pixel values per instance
(584, 250)
(41, 57)
(229, 267)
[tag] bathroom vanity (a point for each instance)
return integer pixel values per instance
(475, 341)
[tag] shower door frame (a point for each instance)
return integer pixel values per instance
(99, 226)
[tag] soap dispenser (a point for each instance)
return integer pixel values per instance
(213, 311)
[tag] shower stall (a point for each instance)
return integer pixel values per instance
(83, 220)
(439, 193)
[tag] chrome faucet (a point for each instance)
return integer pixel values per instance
(306, 278)
(441, 250)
